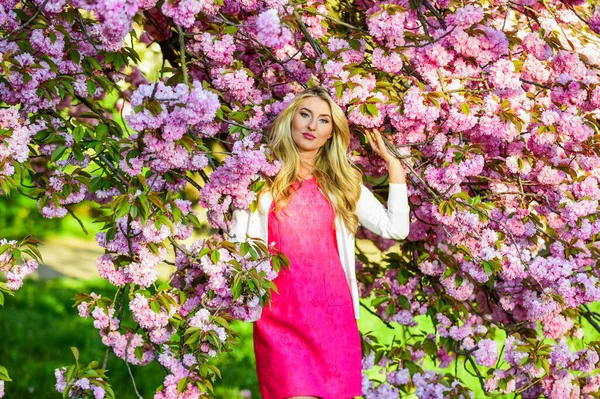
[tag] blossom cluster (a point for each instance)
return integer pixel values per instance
(79, 388)
(15, 136)
(231, 183)
(205, 307)
(14, 267)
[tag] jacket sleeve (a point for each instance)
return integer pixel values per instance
(238, 227)
(393, 222)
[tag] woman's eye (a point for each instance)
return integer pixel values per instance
(324, 121)
(304, 114)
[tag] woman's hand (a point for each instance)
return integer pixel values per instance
(395, 168)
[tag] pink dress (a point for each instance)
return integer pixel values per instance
(307, 342)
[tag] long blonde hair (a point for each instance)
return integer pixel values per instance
(337, 177)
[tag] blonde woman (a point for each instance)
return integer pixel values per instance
(307, 343)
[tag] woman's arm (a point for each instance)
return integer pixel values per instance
(395, 221)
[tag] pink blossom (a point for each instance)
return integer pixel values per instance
(537, 46)
(347, 53)
(41, 40)
(538, 71)
(270, 32)
(387, 29)
(466, 16)
(486, 353)
(548, 175)
(183, 12)
(115, 18)
(569, 64)
(220, 50)
(17, 273)
(391, 63)
(237, 83)
(595, 21)
(503, 76)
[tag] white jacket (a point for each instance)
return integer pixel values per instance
(391, 223)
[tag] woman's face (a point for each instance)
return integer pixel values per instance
(312, 126)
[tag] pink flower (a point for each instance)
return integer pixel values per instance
(61, 381)
(391, 63)
(466, 16)
(536, 69)
(551, 176)
(219, 49)
(43, 42)
(115, 18)
(569, 64)
(270, 32)
(537, 46)
(486, 353)
(387, 29)
(183, 12)
(503, 76)
(235, 83)
(348, 54)
(17, 273)
(595, 20)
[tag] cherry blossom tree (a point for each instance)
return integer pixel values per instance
(492, 106)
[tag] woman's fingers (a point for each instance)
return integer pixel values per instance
(380, 143)
(370, 140)
(380, 148)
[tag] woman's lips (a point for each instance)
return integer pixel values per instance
(308, 136)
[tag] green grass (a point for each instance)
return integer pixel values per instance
(39, 324)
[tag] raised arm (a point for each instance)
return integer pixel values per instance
(393, 222)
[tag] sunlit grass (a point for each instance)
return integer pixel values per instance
(39, 324)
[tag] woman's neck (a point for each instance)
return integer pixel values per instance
(307, 167)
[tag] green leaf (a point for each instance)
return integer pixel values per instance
(75, 353)
(379, 301)
(182, 384)
(193, 338)
(155, 306)
(101, 131)
(236, 289)
(502, 383)
(404, 302)
(339, 91)
(215, 256)
(91, 87)
(256, 187)
(4, 374)
(4, 248)
(372, 110)
(215, 370)
(232, 30)
(94, 63)
(57, 153)
(355, 44)
(244, 248)
(75, 56)
(465, 108)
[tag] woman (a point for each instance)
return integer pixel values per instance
(307, 342)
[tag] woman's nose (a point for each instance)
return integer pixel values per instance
(312, 125)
